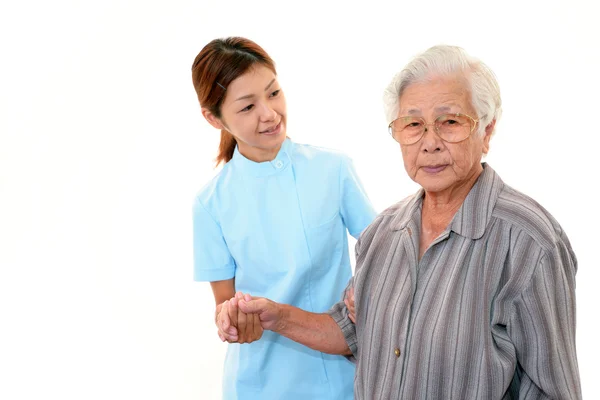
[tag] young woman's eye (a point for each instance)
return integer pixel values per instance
(247, 108)
(275, 93)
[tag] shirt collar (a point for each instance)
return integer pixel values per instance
(278, 164)
(474, 214)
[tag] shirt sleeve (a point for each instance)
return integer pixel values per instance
(542, 329)
(340, 314)
(212, 259)
(356, 208)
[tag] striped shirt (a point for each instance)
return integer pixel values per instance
(487, 313)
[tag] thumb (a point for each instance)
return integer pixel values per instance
(254, 306)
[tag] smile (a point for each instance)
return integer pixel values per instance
(274, 130)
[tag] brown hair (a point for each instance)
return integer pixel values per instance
(215, 67)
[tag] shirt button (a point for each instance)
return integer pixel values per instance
(397, 352)
(278, 164)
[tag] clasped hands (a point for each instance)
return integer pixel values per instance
(243, 318)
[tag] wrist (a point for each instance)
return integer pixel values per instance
(283, 313)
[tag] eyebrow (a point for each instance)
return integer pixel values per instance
(269, 85)
(248, 96)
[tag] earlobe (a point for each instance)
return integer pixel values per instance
(489, 129)
(212, 119)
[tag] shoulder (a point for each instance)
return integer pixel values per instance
(208, 196)
(523, 213)
(390, 218)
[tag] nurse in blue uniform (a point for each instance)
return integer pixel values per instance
(273, 222)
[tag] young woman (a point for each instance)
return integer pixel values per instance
(273, 223)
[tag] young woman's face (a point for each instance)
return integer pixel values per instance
(254, 112)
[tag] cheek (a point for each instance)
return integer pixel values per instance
(461, 156)
(410, 161)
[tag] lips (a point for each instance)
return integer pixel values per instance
(434, 169)
(272, 130)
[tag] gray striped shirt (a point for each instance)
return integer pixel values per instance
(487, 313)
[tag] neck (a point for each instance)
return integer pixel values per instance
(441, 206)
(257, 154)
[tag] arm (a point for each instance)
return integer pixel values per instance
(355, 207)
(317, 331)
(542, 328)
(214, 263)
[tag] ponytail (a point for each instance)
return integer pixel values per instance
(226, 148)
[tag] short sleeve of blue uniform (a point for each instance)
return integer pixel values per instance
(212, 259)
(356, 209)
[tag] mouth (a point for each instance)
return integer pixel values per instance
(434, 169)
(274, 130)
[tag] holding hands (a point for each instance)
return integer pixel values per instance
(243, 318)
(235, 326)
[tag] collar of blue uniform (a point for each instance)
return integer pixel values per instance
(473, 216)
(280, 163)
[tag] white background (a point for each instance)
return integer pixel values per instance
(103, 147)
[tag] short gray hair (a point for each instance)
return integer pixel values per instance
(448, 60)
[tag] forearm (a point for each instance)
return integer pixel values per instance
(317, 331)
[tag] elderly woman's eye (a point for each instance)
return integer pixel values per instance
(412, 124)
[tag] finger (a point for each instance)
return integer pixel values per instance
(242, 326)
(223, 321)
(239, 295)
(232, 312)
(250, 328)
(226, 325)
(257, 328)
(249, 307)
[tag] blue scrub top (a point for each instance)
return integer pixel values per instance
(279, 228)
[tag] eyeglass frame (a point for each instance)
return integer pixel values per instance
(475, 122)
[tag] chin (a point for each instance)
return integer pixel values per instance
(434, 185)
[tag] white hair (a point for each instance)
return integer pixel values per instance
(448, 60)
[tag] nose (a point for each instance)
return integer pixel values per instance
(431, 142)
(267, 113)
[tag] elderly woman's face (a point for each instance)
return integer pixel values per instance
(432, 163)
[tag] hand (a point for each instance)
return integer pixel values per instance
(267, 312)
(248, 325)
(226, 330)
(349, 302)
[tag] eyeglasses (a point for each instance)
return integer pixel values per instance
(451, 128)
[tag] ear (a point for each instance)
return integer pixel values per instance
(212, 119)
(489, 129)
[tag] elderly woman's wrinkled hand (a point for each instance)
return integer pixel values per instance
(349, 302)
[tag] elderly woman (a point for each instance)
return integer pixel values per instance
(464, 290)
